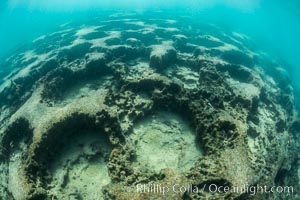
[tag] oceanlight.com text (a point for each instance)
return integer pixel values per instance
(252, 190)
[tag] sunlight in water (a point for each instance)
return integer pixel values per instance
(246, 5)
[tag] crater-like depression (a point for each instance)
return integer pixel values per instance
(164, 140)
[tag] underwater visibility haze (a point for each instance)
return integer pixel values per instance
(149, 99)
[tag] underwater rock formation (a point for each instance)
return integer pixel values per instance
(93, 111)
(162, 55)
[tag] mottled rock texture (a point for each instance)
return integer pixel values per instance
(75, 110)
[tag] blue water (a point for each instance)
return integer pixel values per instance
(273, 25)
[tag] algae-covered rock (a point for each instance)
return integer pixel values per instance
(137, 108)
(162, 55)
